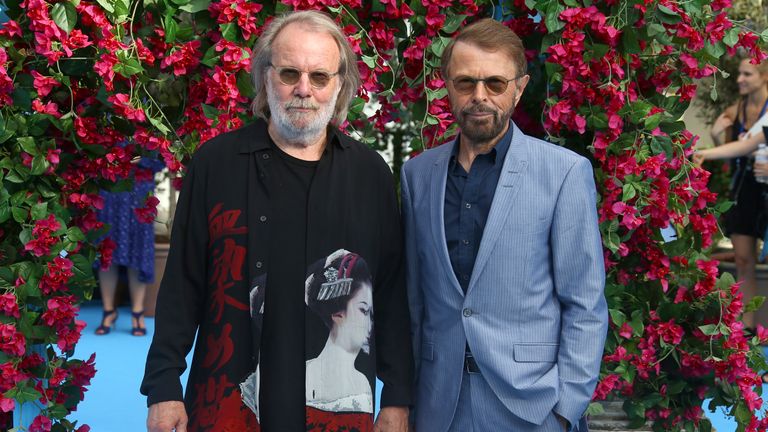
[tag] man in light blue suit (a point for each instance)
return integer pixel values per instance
(505, 265)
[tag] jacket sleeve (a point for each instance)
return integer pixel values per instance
(181, 294)
(415, 301)
(579, 277)
(392, 325)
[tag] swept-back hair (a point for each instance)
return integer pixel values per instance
(488, 35)
(314, 21)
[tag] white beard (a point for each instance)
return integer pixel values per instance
(300, 129)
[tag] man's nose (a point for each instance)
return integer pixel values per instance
(303, 88)
(480, 93)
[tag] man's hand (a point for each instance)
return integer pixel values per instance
(392, 419)
(563, 422)
(167, 417)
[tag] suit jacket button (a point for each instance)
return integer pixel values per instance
(467, 312)
(259, 264)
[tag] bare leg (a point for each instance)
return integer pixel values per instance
(108, 287)
(138, 289)
(745, 250)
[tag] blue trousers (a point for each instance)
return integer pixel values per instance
(493, 416)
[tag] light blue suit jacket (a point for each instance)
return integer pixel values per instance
(534, 315)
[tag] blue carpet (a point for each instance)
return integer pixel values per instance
(113, 402)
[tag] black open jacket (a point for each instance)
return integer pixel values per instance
(219, 243)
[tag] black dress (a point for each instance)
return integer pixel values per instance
(747, 216)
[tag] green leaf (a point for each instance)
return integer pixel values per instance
(39, 164)
(27, 144)
(438, 45)
(369, 61)
(23, 393)
(667, 11)
(436, 94)
(122, 9)
(612, 242)
(74, 234)
(357, 105)
(5, 212)
(655, 29)
(709, 329)
(129, 67)
(64, 15)
(452, 23)
(754, 304)
(107, 5)
(594, 408)
(210, 112)
(244, 84)
(731, 37)
(716, 51)
(170, 27)
(637, 322)
(617, 317)
(228, 31)
(628, 192)
(551, 19)
(159, 125)
(630, 42)
(19, 214)
(39, 211)
(196, 6)
(211, 57)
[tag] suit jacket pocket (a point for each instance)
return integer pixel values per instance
(427, 351)
(534, 352)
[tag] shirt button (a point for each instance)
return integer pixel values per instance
(465, 277)
(468, 205)
(467, 312)
(263, 218)
(259, 264)
(466, 242)
(265, 156)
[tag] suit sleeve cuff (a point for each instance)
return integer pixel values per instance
(396, 396)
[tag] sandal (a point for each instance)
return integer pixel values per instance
(104, 329)
(138, 329)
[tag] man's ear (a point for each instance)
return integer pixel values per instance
(520, 87)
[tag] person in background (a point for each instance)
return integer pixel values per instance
(259, 207)
(746, 221)
(505, 269)
(134, 248)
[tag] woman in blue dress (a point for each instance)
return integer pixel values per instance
(135, 248)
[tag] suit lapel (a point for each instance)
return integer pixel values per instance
(514, 168)
(437, 211)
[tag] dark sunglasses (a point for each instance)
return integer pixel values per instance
(290, 76)
(494, 84)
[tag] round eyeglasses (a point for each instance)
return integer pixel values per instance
(290, 76)
(494, 84)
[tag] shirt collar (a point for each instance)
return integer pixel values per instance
(497, 153)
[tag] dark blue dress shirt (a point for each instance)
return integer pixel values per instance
(468, 198)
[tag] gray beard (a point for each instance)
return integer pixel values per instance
(284, 121)
(479, 135)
